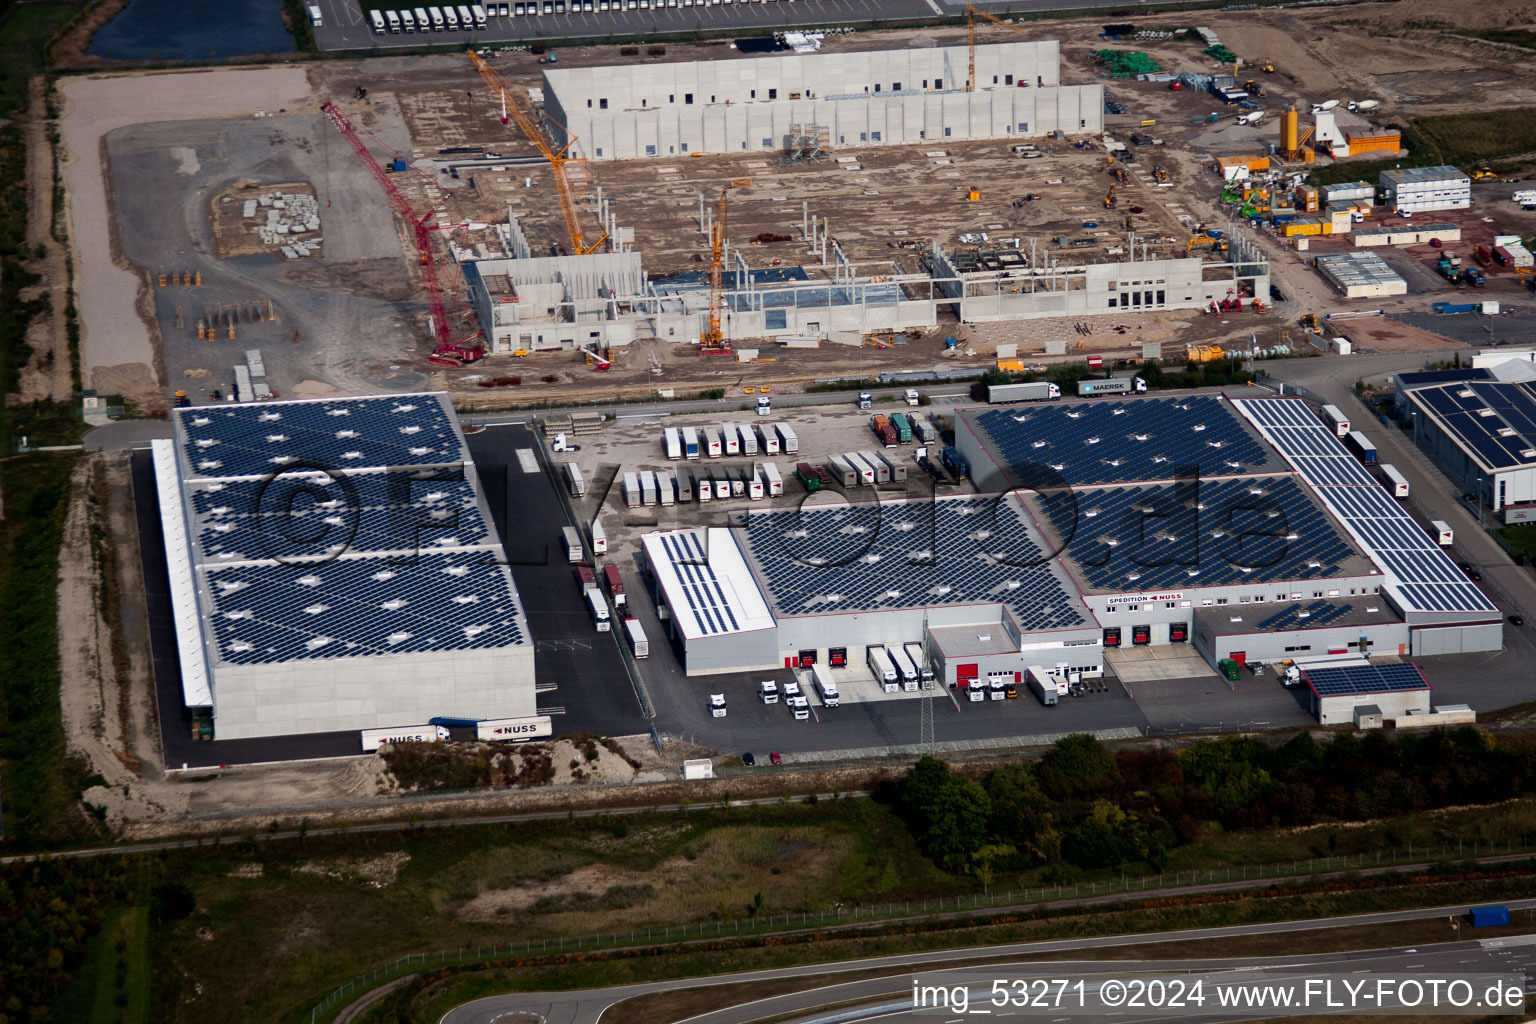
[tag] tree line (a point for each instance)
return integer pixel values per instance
(1082, 804)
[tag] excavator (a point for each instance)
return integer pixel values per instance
(1214, 244)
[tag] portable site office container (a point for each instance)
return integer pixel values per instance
(599, 538)
(573, 479)
(672, 443)
(666, 491)
(770, 440)
(690, 443)
(748, 439)
(711, 442)
(774, 481)
(904, 668)
(572, 544)
(1395, 480)
(731, 438)
(789, 443)
(647, 487)
(879, 464)
(631, 490)
(376, 18)
(839, 468)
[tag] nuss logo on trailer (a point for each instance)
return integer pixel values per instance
(514, 730)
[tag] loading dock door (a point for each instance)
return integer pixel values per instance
(1241, 657)
(965, 676)
(1178, 632)
(1112, 636)
(1141, 635)
(807, 658)
(837, 657)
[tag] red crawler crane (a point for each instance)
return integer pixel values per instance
(447, 352)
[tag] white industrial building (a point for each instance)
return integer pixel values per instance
(333, 566)
(1406, 234)
(837, 100)
(1282, 546)
(1361, 275)
(1420, 189)
(1369, 695)
(1482, 433)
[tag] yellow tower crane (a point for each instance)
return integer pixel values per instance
(971, 11)
(510, 109)
(714, 341)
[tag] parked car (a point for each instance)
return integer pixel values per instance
(748, 760)
(1517, 620)
(774, 758)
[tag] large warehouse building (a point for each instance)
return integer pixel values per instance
(1483, 435)
(1243, 526)
(821, 100)
(333, 566)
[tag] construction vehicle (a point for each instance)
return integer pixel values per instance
(1483, 174)
(714, 342)
(1253, 87)
(1109, 198)
(557, 158)
(972, 195)
(182, 401)
(1120, 175)
(1160, 174)
(1214, 244)
(1481, 255)
(1175, 86)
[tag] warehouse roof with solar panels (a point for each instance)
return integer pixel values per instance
(340, 529)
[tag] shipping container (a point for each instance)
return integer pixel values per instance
(1361, 445)
(1336, 420)
(919, 660)
(903, 427)
(730, 438)
(770, 438)
(572, 541)
(599, 537)
(599, 608)
(573, 479)
(711, 442)
(631, 490)
(1489, 917)
(638, 644)
(672, 443)
(748, 439)
(647, 487)
(789, 443)
(514, 730)
(925, 431)
(1395, 480)
(880, 666)
(808, 477)
(690, 443)
(373, 739)
(879, 465)
(1442, 533)
(842, 473)
(1110, 386)
(774, 481)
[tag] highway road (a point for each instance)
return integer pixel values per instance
(875, 997)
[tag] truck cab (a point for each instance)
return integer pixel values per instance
(768, 691)
(791, 690)
(764, 405)
(866, 400)
(799, 707)
(912, 397)
(717, 705)
(976, 691)
(995, 689)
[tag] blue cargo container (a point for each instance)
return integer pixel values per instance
(1489, 917)
(1456, 307)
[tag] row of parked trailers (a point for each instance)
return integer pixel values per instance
(447, 18)
(751, 480)
(692, 443)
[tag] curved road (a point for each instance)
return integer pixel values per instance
(1515, 955)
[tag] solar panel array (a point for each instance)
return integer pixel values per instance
(364, 555)
(1221, 532)
(1419, 571)
(260, 438)
(1496, 422)
(1348, 680)
(701, 587)
(271, 612)
(1139, 439)
(317, 517)
(900, 555)
(1298, 616)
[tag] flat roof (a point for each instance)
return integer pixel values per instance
(948, 552)
(1358, 268)
(1355, 680)
(1242, 620)
(337, 528)
(1494, 423)
(972, 640)
(709, 587)
(1405, 175)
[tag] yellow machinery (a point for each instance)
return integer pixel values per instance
(971, 11)
(972, 195)
(1214, 244)
(1293, 144)
(557, 158)
(1109, 198)
(714, 342)
(1203, 353)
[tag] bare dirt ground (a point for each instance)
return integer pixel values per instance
(47, 373)
(115, 338)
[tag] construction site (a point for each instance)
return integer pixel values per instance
(474, 231)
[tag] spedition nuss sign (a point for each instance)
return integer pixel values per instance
(515, 729)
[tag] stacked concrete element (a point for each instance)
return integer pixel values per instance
(881, 97)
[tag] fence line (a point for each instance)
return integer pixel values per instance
(894, 911)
